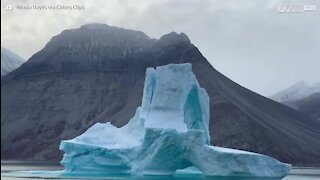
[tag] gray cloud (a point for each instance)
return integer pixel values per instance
(247, 40)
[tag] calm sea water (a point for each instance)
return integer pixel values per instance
(10, 171)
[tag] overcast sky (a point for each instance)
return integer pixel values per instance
(249, 41)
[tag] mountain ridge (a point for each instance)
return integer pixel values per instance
(296, 91)
(9, 61)
(302, 97)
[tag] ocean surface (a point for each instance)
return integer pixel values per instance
(10, 170)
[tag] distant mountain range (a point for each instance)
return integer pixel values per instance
(302, 97)
(297, 91)
(95, 73)
(9, 61)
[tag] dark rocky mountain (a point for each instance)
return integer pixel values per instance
(302, 97)
(96, 74)
(309, 105)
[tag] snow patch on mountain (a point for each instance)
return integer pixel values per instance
(295, 92)
(9, 61)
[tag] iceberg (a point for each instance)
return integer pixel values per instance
(169, 132)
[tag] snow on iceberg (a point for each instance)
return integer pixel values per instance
(169, 132)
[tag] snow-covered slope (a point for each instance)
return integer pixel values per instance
(295, 92)
(9, 61)
(302, 97)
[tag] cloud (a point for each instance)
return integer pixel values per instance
(247, 40)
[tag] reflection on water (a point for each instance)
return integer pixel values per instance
(14, 171)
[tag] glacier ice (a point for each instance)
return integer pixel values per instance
(169, 132)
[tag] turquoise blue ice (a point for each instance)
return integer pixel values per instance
(169, 132)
